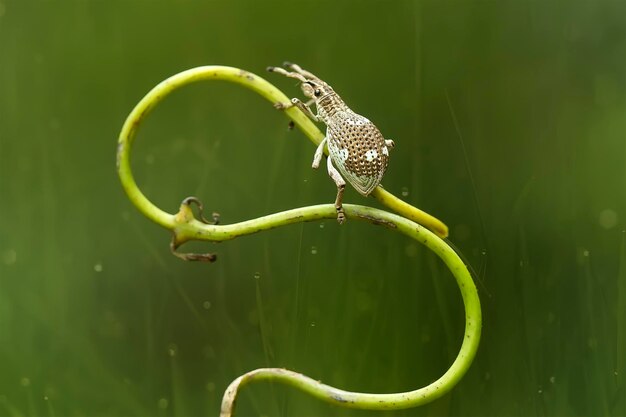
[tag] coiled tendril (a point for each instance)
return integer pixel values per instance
(408, 221)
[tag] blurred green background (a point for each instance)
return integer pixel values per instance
(509, 120)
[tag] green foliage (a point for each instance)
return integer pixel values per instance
(97, 317)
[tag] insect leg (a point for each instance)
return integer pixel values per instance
(318, 154)
(389, 143)
(341, 186)
(305, 108)
(299, 104)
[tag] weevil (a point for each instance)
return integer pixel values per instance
(357, 150)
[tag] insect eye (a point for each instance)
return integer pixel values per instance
(317, 93)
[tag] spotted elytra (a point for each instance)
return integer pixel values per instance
(357, 150)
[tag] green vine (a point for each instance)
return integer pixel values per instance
(408, 221)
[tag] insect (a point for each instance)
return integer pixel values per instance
(357, 150)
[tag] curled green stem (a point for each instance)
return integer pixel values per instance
(370, 401)
(186, 227)
(265, 89)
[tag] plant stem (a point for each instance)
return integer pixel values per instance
(394, 401)
(185, 227)
(265, 89)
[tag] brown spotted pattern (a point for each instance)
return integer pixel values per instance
(355, 144)
(358, 150)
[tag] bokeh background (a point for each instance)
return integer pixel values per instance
(509, 119)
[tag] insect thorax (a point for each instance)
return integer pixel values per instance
(329, 105)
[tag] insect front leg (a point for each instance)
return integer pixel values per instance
(389, 143)
(317, 158)
(305, 108)
(294, 101)
(341, 186)
(299, 104)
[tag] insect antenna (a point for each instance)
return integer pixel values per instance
(287, 73)
(299, 70)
